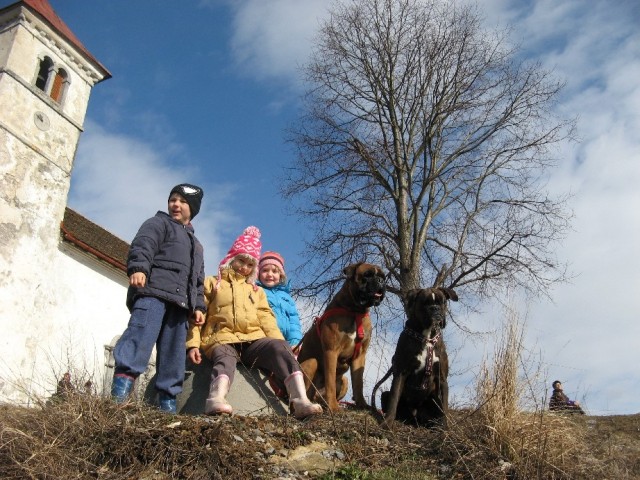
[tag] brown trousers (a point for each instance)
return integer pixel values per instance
(268, 354)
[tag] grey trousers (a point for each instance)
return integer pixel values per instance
(268, 354)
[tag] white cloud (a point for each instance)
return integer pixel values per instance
(121, 181)
(272, 39)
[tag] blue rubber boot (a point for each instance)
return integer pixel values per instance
(167, 403)
(121, 387)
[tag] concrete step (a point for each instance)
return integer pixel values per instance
(250, 393)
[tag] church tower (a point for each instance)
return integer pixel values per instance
(46, 77)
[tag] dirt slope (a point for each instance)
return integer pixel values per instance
(93, 438)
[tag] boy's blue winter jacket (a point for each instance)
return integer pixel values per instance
(173, 260)
(284, 308)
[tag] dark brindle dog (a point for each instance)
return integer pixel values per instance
(338, 340)
(419, 390)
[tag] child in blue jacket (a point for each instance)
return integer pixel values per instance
(166, 275)
(273, 279)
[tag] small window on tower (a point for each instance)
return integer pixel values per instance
(44, 72)
(60, 82)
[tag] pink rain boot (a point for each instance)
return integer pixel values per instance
(300, 405)
(216, 403)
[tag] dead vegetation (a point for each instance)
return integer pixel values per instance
(517, 437)
(85, 437)
(505, 435)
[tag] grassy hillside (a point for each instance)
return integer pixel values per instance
(83, 436)
(88, 437)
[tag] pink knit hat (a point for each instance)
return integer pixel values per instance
(246, 244)
(273, 258)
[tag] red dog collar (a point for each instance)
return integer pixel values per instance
(343, 311)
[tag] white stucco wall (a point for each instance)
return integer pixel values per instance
(85, 310)
(58, 307)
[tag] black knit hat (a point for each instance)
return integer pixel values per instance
(192, 194)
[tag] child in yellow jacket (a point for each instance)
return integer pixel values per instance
(240, 326)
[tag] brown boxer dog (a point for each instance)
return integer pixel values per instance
(419, 390)
(338, 340)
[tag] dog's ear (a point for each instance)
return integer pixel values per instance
(410, 297)
(350, 270)
(449, 293)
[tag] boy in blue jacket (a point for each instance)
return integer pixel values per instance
(166, 276)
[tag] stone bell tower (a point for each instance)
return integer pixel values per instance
(46, 77)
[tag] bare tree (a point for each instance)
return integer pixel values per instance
(424, 146)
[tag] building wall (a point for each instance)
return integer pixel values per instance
(81, 311)
(25, 40)
(41, 291)
(30, 215)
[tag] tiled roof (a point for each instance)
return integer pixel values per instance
(94, 239)
(44, 9)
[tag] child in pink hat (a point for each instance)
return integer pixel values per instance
(240, 326)
(247, 246)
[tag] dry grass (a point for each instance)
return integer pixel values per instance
(500, 439)
(84, 436)
(89, 437)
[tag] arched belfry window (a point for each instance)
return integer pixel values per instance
(44, 72)
(60, 82)
(51, 81)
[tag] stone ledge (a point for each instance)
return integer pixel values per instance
(250, 393)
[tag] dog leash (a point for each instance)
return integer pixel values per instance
(430, 343)
(343, 311)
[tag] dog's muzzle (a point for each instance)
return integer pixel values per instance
(375, 290)
(434, 316)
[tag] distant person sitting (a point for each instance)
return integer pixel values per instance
(63, 391)
(559, 402)
(65, 387)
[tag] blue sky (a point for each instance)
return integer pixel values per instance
(202, 92)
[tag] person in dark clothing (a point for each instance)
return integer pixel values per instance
(63, 390)
(166, 277)
(65, 387)
(560, 402)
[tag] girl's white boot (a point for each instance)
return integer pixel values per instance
(216, 403)
(299, 404)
